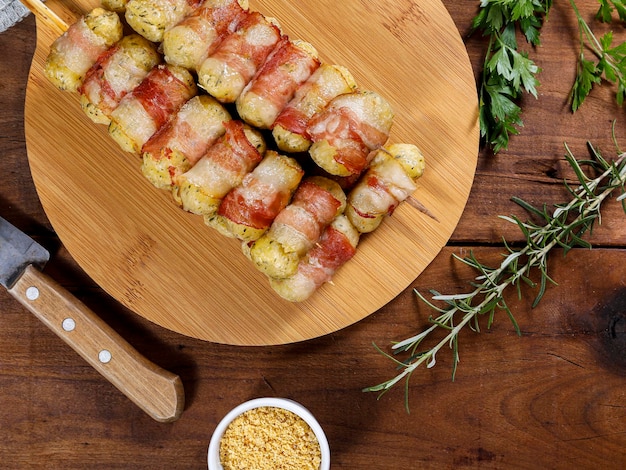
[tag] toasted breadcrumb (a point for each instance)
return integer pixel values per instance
(269, 438)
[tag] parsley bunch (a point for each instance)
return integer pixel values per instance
(507, 71)
(611, 60)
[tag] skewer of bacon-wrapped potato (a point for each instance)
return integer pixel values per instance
(289, 65)
(116, 72)
(200, 190)
(150, 105)
(74, 52)
(226, 72)
(297, 228)
(347, 130)
(118, 6)
(183, 140)
(196, 37)
(248, 210)
(151, 18)
(336, 246)
(389, 180)
(326, 83)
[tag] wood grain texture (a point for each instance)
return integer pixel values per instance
(167, 266)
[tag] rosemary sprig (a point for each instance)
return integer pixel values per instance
(564, 227)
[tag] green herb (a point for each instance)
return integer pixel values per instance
(611, 60)
(507, 71)
(562, 227)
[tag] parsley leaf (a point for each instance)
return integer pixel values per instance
(507, 71)
(610, 64)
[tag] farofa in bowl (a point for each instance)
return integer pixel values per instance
(269, 434)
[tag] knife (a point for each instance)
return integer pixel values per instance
(156, 391)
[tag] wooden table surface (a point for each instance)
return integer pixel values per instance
(552, 398)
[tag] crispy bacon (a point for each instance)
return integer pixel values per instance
(332, 251)
(234, 153)
(310, 211)
(336, 247)
(161, 93)
(95, 86)
(81, 39)
(276, 82)
(74, 52)
(243, 51)
(214, 22)
(385, 184)
(326, 83)
(352, 125)
(192, 130)
(201, 189)
(209, 25)
(116, 73)
(293, 119)
(262, 194)
(343, 129)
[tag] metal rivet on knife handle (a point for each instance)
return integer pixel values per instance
(155, 390)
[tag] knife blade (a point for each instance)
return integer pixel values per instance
(155, 390)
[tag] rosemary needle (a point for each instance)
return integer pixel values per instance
(563, 227)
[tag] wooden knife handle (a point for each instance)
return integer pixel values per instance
(155, 390)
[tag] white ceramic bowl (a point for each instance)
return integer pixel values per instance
(289, 405)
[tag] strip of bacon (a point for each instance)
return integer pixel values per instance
(388, 181)
(288, 66)
(347, 130)
(199, 34)
(223, 167)
(226, 72)
(161, 93)
(326, 83)
(297, 228)
(149, 106)
(116, 73)
(248, 210)
(336, 247)
(183, 140)
(77, 49)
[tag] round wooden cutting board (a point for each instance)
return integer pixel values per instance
(167, 266)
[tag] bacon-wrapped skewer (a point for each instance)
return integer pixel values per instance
(265, 96)
(150, 105)
(388, 181)
(116, 72)
(196, 37)
(247, 211)
(118, 6)
(347, 130)
(183, 140)
(151, 18)
(336, 246)
(74, 52)
(296, 229)
(228, 70)
(201, 189)
(326, 83)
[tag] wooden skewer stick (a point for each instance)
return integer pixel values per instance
(45, 14)
(415, 203)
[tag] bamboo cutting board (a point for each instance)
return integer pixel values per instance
(167, 266)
